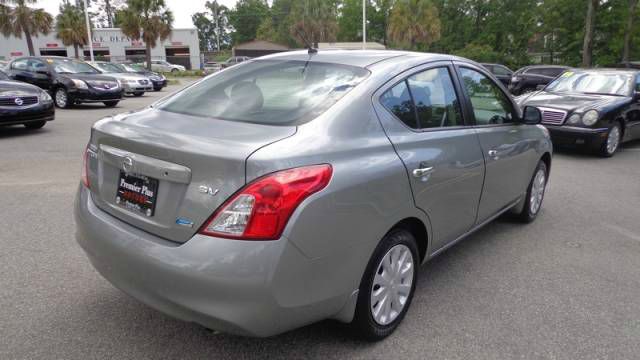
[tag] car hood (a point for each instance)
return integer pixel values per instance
(570, 102)
(10, 87)
(127, 76)
(89, 77)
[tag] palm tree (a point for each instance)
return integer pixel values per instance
(314, 21)
(414, 23)
(149, 20)
(20, 19)
(71, 26)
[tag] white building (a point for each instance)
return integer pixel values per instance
(111, 44)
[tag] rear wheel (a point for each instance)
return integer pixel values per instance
(111, 103)
(61, 98)
(387, 286)
(611, 145)
(35, 125)
(138, 94)
(174, 70)
(535, 194)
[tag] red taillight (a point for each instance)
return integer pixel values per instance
(85, 171)
(261, 209)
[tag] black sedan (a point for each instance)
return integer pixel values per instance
(598, 109)
(70, 81)
(158, 80)
(24, 104)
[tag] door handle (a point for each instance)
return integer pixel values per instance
(421, 172)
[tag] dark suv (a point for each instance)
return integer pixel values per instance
(501, 72)
(529, 78)
(70, 81)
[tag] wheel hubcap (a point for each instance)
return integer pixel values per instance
(537, 191)
(392, 284)
(613, 140)
(61, 98)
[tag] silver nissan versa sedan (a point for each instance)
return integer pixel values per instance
(304, 186)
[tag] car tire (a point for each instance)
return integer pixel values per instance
(138, 94)
(612, 142)
(535, 194)
(174, 70)
(35, 125)
(111, 103)
(61, 98)
(383, 301)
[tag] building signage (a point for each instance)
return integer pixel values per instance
(16, 53)
(176, 43)
(52, 45)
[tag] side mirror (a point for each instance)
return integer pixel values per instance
(540, 87)
(531, 115)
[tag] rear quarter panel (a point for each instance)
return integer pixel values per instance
(338, 228)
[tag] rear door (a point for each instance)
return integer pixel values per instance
(421, 113)
(507, 147)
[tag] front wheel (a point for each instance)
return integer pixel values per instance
(387, 286)
(61, 98)
(535, 194)
(611, 145)
(111, 103)
(174, 70)
(138, 94)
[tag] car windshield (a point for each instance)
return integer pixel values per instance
(269, 92)
(592, 83)
(109, 68)
(132, 67)
(71, 66)
(3, 76)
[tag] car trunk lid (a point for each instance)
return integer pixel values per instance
(186, 165)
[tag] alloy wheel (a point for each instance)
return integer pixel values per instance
(392, 284)
(613, 140)
(537, 191)
(61, 98)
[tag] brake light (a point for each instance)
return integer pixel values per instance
(85, 170)
(261, 210)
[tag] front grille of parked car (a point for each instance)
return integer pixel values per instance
(552, 116)
(143, 82)
(18, 101)
(102, 85)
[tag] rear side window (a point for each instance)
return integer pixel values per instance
(270, 92)
(425, 100)
(398, 101)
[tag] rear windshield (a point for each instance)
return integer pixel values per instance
(269, 92)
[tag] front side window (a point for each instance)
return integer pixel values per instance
(19, 64)
(490, 105)
(270, 92)
(425, 100)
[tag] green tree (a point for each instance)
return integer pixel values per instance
(589, 26)
(628, 29)
(245, 18)
(71, 27)
(212, 26)
(315, 20)
(17, 19)
(350, 20)
(414, 24)
(149, 20)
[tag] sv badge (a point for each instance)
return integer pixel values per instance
(208, 190)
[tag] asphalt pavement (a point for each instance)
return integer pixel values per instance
(564, 287)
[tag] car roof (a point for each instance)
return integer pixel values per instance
(608, 71)
(360, 58)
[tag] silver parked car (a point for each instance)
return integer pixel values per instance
(299, 187)
(132, 83)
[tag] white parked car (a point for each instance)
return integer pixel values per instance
(165, 66)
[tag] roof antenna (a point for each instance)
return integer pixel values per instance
(311, 50)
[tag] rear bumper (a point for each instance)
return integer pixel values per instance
(23, 116)
(92, 95)
(241, 287)
(577, 136)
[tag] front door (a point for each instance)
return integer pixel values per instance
(422, 116)
(507, 146)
